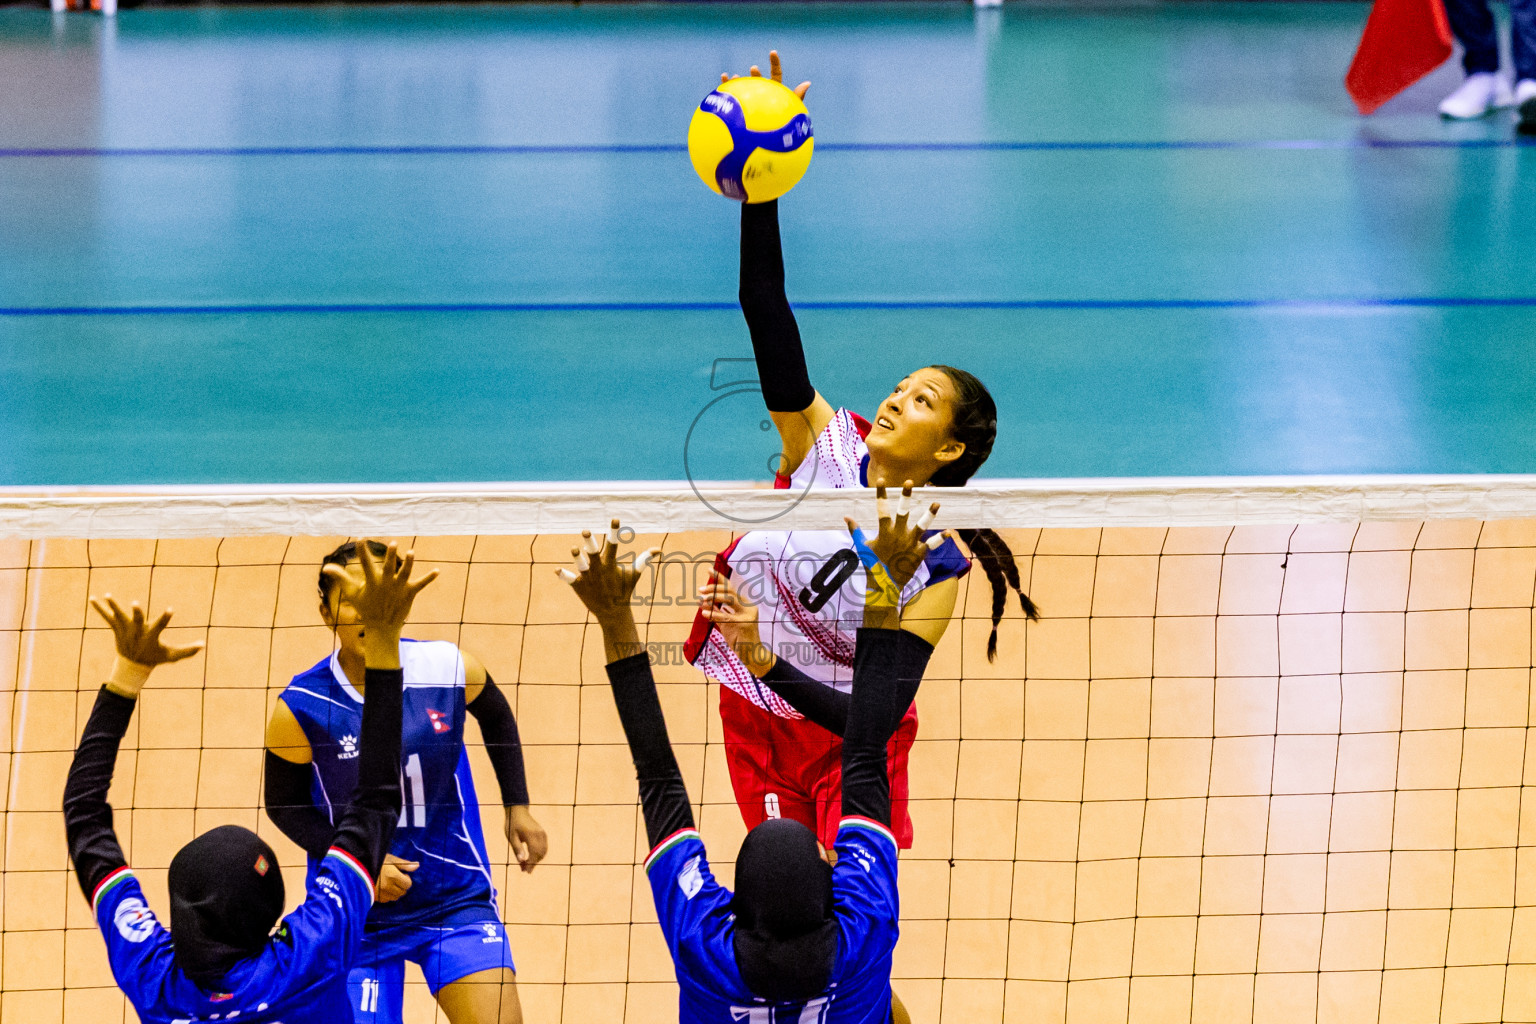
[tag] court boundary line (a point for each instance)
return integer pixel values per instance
(620, 149)
(670, 506)
(289, 308)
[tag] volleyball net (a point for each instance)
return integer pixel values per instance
(1263, 756)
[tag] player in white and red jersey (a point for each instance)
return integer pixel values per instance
(782, 701)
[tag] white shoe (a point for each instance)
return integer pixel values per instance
(1525, 99)
(1479, 94)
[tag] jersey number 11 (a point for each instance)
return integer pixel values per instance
(414, 792)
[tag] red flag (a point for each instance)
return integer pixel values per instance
(1403, 41)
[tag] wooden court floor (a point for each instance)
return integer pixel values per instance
(1275, 774)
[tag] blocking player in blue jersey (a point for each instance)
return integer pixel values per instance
(807, 936)
(436, 898)
(222, 959)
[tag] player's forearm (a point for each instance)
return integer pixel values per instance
(93, 846)
(368, 826)
(289, 805)
(888, 668)
(820, 703)
(663, 797)
(781, 368)
(621, 637)
(503, 744)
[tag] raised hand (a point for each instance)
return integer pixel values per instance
(139, 644)
(383, 596)
(606, 587)
(775, 71)
(893, 557)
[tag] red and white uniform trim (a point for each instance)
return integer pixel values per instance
(808, 584)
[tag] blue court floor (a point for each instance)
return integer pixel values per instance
(404, 243)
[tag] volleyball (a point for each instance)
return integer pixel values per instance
(751, 139)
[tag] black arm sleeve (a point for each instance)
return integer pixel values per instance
(93, 846)
(888, 667)
(775, 336)
(817, 701)
(499, 730)
(663, 797)
(368, 825)
(292, 810)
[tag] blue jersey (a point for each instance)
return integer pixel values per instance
(439, 823)
(299, 978)
(696, 919)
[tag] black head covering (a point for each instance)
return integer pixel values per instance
(786, 933)
(226, 894)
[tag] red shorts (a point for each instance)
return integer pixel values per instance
(793, 768)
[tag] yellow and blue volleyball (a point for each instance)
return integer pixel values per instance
(751, 139)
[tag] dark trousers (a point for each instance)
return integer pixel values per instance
(1472, 22)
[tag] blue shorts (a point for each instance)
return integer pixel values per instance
(469, 942)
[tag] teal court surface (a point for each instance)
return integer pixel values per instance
(461, 243)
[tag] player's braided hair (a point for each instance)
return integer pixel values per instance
(343, 556)
(974, 424)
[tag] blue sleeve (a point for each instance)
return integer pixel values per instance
(320, 938)
(945, 562)
(864, 893)
(138, 946)
(694, 911)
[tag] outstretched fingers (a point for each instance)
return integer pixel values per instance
(645, 558)
(904, 507)
(882, 504)
(172, 653)
(157, 627)
(365, 561)
(109, 610)
(417, 586)
(611, 548)
(925, 520)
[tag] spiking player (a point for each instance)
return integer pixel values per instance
(806, 938)
(437, 902)
(221, 959)
(937, 427)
